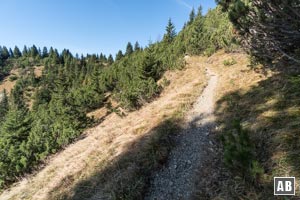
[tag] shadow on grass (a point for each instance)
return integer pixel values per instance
(127, 177)
(270, 111)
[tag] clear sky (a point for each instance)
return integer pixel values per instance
(91, 26)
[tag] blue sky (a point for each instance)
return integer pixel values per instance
(90, 26)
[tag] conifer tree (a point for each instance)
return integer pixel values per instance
(110, 59)
(4, 53)
(197, 43)
(137, 46)
(11, 53)
(34, 51)
(269, 29)
(119, 55)
(25, 51)
(101, 57)
(192, 16)
(45, 52)
(17, 52)
(170, 32)
(199, 12)
(104, 58)
(14, 131)
(1, 50)
(129, 49)
(3, 105)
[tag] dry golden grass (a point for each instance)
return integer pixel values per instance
(38, 71)
(99, 113)
(7, 84)
(236, 77)
(235, 80)
(267, 104)
(105, 143)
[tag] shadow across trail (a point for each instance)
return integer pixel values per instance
(130, 174)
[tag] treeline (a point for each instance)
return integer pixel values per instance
(70, 86)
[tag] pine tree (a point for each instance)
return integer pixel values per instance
(25, 51)
(34, 51)
(101, 57)
(39, 52)
(129, 49)
(197, 43)
(14, 131)
(199, 12)
(45, 52)
(170, 32)
(104, 58)
(119, 55)
(110, 59)
(11, 53)
(137, 46)
(16, 96)
(17, 52)
(269, 29)
(1, 50)
(192, 16)
(4, 53)
(3, 105)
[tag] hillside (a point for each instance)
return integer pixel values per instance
(84, 170)
(112, 147)
(210, 112)
(121, 147)
(40, 115)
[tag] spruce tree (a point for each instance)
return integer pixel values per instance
(14, 131)
(101, 57)
(269, 29)
(25, 51)
(137, 46)
(119, 55)
(45, 52)
(34, 51)
(192, 16)
(110, 59)
(3, 105)
(197, 43)
(11, 53)
(17, 52)
(129, 49)
(5, 53)
(170, 32)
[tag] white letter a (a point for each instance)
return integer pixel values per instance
(280, 186)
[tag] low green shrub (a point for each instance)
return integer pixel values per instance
(239, 153)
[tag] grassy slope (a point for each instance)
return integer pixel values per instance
(117, 156)
(267, 103)
(8, 83)
(114, 158)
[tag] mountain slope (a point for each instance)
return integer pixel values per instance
(103, 146)
(121, 157)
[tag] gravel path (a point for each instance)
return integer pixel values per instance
(176, 181)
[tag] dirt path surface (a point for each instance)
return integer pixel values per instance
(177, 179)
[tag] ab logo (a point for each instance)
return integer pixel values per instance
(284, 185)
